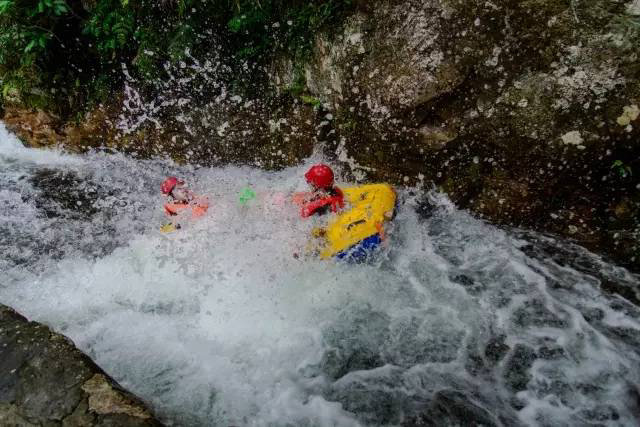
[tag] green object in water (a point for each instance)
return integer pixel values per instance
(246, 194)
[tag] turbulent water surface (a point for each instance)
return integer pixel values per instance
(219, 324)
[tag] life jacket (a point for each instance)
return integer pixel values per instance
(198, 206)
(334, 201)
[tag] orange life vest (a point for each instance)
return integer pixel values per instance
(198, 206)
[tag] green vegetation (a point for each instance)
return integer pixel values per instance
(268, 24)
(67, 55)
(621, 169)
(310, 100)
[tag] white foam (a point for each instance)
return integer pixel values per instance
(219, 323)
(11, 149)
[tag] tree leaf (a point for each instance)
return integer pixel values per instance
(5, 5)
(60, 7)
(30, 46)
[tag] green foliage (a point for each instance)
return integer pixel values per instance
(299, 83)
(270, 25)
(27, 30)
(621, 169)
(111, 26)
(310, 100)
(68, 54)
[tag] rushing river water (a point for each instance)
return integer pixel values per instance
(219, 324)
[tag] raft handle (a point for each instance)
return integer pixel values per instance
(353, 224)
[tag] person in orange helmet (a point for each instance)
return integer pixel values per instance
(325, 195)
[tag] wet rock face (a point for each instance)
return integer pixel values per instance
(45, 380)
(391, 56)
(42, 129)
(525, 112)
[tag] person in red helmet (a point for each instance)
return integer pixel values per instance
(178, 194)
(324, 196)
(180, 198)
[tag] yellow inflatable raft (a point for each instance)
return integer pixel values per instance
(361, 228)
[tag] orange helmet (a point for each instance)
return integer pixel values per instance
(320, 176)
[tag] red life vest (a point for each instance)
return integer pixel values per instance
(335, 202)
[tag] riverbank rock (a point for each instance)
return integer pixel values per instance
(46, 381)
(41, 129)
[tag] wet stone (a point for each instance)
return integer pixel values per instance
(628, 306)
(629, 336)
(43, 381)
(475, 365)
(379, 399)
(377, 406)
(600, 413)
(592, 314)
(336, 363)
(629, 292)
(9, 416)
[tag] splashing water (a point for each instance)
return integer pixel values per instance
(218, 324)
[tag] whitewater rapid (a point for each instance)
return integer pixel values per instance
(219, 324)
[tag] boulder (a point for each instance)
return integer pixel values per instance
(46, 380)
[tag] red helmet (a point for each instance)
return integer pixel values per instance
(320, 176)
(169, 184)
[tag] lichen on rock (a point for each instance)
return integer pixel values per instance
(104, 399)
(629, 114)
